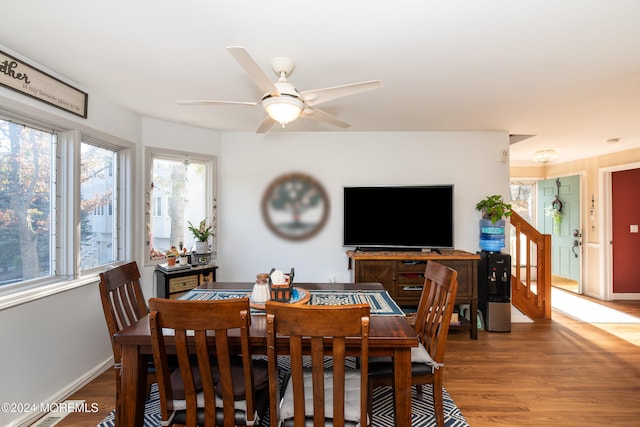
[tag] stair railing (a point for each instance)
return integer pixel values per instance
(531, 291)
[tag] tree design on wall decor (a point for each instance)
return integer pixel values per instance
(295, 206)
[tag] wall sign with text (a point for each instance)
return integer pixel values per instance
(23, 78)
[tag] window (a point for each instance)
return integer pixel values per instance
(157, 206)
(523, 203)
(181, 191)
(97, 195)
(62, 210)
(523, 198)
(26, 196)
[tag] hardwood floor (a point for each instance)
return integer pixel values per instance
(564, 283)
(550, 373)
(101, 391)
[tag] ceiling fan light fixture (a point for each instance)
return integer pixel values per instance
(545, 156)
(283, 109)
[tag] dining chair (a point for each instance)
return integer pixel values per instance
(315, 395)
(123, 305)
(432, 326)
(217, 381)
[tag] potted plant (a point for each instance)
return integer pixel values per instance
(171, 259)
(201, 234)
(493, 209)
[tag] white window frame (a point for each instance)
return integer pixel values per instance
(210, 162)
(65, 212)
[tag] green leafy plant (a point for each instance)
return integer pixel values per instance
(202, 232)
(493, 208)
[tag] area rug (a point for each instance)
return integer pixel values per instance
(422, 410)
(422, 414)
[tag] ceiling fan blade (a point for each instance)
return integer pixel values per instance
(323, 116)
(266, 124)
(318, 96)
(212, 102)
(252, 68)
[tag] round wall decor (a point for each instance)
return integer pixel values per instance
(295, 206)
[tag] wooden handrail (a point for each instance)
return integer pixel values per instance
(531, 295)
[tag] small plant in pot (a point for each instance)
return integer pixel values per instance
(201, 233)
(494, 208)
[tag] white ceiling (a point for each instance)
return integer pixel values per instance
(566, 71)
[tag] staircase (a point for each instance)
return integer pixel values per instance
(531, 276)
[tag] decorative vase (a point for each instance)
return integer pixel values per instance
(202, 247)
(260, 293)
(491, 235)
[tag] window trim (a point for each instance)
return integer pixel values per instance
(211, 182)
(65, 262)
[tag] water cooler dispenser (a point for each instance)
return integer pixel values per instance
(494, 290)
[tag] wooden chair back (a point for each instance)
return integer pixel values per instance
(122, 301)
(190, 324)
(318, 331)
(436, 307)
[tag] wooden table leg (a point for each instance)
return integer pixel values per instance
(402, 386)
(133, 387)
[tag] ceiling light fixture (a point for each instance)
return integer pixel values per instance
(545, 156)
(284, 108)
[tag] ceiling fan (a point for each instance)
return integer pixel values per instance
(281, 100)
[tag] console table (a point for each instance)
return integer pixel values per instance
(172, 284)
(402, 275)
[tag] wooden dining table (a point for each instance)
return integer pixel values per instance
(389, 336)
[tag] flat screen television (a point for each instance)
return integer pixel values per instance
(402, 217)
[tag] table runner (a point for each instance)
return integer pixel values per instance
(380, 301)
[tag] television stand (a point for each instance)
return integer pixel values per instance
(402, 275)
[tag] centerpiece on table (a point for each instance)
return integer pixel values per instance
(202, 233)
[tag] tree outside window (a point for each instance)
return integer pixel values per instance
(35, 213)
(97, 196)
(25, 202)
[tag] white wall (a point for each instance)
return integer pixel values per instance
(51, 345)
(469, 160)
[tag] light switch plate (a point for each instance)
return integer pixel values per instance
(633, 228)
(504, 155)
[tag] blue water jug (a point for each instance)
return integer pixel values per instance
(491, 235)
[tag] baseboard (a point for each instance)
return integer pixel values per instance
(30, 418)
